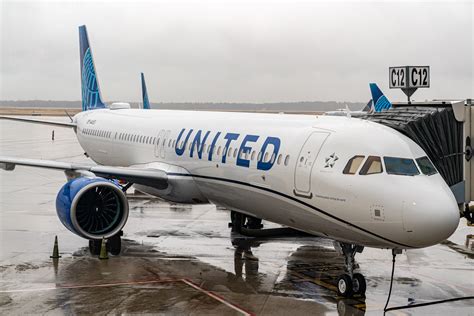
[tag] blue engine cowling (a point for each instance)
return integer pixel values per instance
(93, 208)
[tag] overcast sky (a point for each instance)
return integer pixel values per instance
(235, 51)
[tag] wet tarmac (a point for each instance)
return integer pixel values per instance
(181, 260)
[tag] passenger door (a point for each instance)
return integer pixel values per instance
(306, 159)
(159, 143)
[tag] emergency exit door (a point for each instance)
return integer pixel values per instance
(306, 160)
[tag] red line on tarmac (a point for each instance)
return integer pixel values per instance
(217, 298)
(186, 281)
(61, 287)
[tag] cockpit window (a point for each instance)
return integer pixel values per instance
(400, 166)
(426, 166)
(353, 164)
(373, 165)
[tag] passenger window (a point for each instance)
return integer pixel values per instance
(253, 155)
(279, 159)
(219, 151)
(400, 166)
(229, 152)
(353, 165)
(235, 152)
(426, 166)
(372, 165)
(287, 160)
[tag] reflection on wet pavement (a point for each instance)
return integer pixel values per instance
(181, 259)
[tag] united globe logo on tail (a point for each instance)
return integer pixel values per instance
(90, 90)
(90, 87)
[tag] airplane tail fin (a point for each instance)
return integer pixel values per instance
(369, 107)
(380, 101)
(146, 102)
(91, 98)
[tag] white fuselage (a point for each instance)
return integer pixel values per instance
(301, 186)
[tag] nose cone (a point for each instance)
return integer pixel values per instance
(430, 218)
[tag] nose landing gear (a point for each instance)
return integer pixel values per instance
(350, 283)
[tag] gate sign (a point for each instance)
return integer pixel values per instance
(409, 77)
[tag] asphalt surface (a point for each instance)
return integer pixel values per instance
(180, 259)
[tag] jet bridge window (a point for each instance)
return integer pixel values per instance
(426, 166)
(400, 166)
(353, 165)
(372, 165)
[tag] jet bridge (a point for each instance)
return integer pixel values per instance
(444, 129)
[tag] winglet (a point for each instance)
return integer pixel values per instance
(91, 98)
(380, 101)
(146, 102)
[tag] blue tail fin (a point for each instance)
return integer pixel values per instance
(380, 101)
(369, 107)
(90, 86)
(146, 103)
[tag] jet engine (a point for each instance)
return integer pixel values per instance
(92, 208)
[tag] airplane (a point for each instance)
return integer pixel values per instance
(146, 102)
(356, 182)
(378, 103)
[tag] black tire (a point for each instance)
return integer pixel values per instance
(469, 214)
(114, 245)
(94, 246)
(359, 286)
(254, 223)
(238, 220)
(344, 285)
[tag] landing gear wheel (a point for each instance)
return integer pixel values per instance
(469, 214)
(114, 245)
(254, 223)
(359, 286)
(94, 246)
(237, 220)
(344, 285)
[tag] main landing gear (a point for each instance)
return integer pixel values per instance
(350, 283)
(469, 214)
(114, 245)
(239, 221)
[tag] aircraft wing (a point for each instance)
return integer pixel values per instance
(44, 122)
(146, 176)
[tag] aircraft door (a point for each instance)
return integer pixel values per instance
(159, 143)
(164, 144)
(306, 159)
